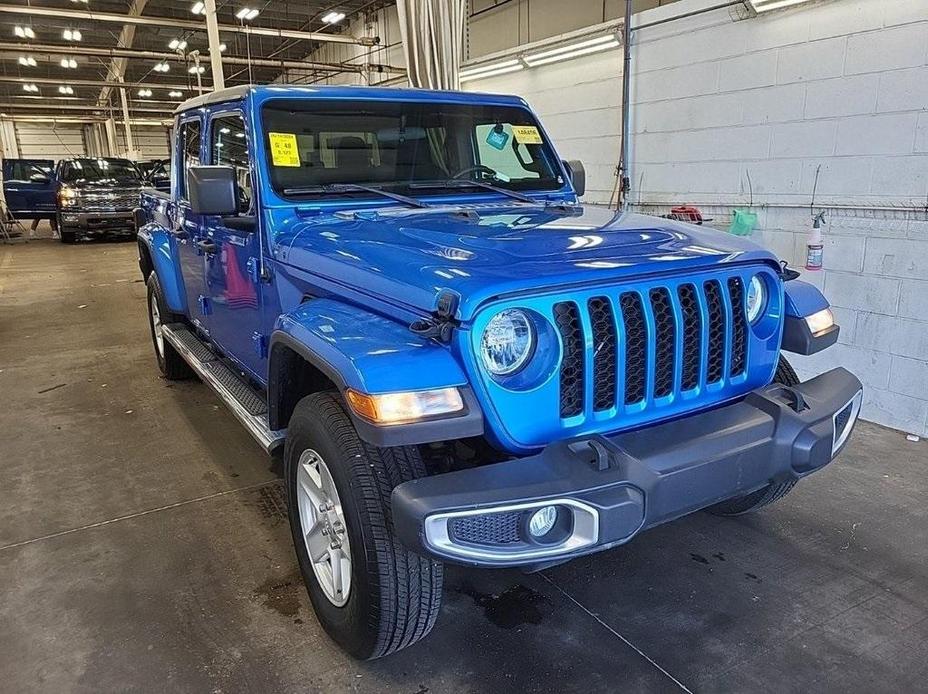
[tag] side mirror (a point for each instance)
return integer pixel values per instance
(212, 190)
(39, 178)
(577, 175)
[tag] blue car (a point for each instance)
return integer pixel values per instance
(461, 362)
(29, 187)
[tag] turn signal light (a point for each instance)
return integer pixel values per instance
(820, 320)
(398, 408)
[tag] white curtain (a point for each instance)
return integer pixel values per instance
(433, 41)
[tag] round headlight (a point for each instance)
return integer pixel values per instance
(507, 342)
(757, 295)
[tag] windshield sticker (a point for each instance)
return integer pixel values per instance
(497, 139)
(526, 134)
(284, 150)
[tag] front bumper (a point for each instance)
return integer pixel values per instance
(608, 489)
(99, 222)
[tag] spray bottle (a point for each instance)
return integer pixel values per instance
(815, 245)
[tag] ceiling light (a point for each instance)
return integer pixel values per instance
(198, 8)
(144, 92)
(196, 70)
(600, 43)
(162, 67)
(30, 88)
(767, 5)
(177, 44)
(222, 47)
(246, 14)
(24, 32)
(65, 89)
(72, 35)
(333, 17)
(500, 68)
(69, 63)
(27, 61)
(175, 94)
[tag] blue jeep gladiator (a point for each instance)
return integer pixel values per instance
(462, 363)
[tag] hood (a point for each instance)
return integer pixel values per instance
(484, 251)
(107, 184)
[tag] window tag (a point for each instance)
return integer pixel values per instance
(526, 134)
(284, 150)
(497, 139)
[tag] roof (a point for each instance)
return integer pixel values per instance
(344, 92)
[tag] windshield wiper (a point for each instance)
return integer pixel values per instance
(458, 183)
(354, 187)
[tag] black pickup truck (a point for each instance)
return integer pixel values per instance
(97, 196)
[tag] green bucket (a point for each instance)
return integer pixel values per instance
(742, 222)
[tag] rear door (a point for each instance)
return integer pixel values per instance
(233, 279)
(29, 186)
(188, 227)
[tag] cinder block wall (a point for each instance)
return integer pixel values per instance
(840, 87)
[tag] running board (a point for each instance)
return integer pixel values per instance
(247, 406)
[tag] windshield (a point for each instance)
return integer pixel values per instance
(406, 147)
(99, 171)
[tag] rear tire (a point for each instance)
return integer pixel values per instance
(754, 501)
(170, 363)
(394, 594)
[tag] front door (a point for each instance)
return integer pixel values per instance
(233, 270)
(188, 227)
(30, 187)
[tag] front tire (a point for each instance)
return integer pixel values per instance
(391, 596)
(170, 363)
(785, 375)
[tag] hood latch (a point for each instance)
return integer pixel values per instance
(441, 323)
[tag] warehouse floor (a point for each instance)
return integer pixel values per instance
(144, 546)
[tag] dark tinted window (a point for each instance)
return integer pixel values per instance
(25, 169)
(229, 147)
(104, 170)
(190, 138)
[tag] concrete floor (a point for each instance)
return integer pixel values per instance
(144, 547)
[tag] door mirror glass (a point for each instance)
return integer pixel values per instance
(212, 190)
(577, 175)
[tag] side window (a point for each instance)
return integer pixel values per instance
(229, 147)
(498, 149)
(190, 139)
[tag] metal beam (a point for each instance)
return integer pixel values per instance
(140, 54)
(193, 25)
(86, 108)
(117, 68)
(91, 83)
(215, 53)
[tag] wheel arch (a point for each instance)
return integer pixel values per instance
(156, 255)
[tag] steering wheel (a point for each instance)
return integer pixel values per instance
(479, 167)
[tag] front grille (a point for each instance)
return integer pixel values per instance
(108, 202)
(652, 344)
(489, 529)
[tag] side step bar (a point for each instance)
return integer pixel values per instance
(247, 406)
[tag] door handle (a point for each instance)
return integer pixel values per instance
(206, 245)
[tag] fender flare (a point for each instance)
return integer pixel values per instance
(802, 299)
(372, 354)
(158, 242)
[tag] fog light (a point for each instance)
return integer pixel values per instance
(542, 521)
